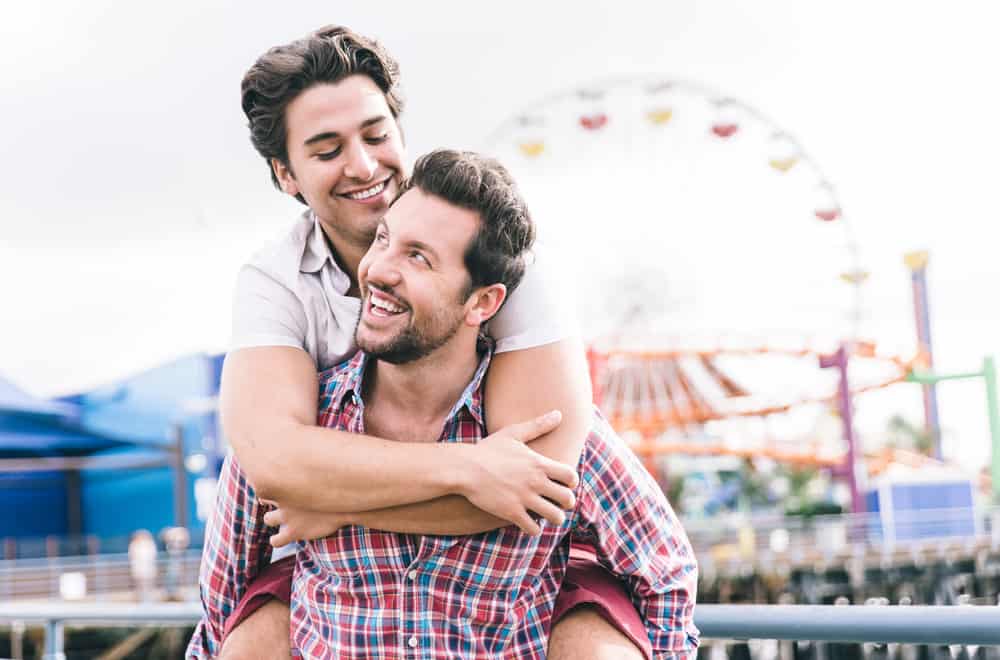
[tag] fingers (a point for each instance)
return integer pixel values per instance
(283, 537)
(560, 472)
(274, 518)
(559, 495)
(528, 431)
(547, 510)
(527, 524)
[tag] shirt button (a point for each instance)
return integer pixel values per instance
(412, 575)
(412, 642)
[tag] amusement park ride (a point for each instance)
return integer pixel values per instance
(668, 398)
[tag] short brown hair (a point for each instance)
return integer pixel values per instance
(327, 55)
(497, 252)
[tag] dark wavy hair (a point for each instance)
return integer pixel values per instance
(327, 55)
(497, 252)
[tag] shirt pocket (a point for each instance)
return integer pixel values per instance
(345, 555)
(489, 574)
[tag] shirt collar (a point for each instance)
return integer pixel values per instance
(316, 254)
(353, 376)
(472, 397)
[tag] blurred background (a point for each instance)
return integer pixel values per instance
(734, 192)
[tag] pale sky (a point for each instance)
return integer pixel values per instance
(132, 195)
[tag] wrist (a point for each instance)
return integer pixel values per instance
(459, 473)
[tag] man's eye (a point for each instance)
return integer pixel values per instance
(377, 139)
(381, 237)
(418, 256)
(328, 155)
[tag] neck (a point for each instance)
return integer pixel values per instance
(425, 389)
(347, 251)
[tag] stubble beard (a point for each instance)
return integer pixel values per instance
(411, 343)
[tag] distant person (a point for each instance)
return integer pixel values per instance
(142, 563)
(323, 113)
(176, 540)
(445, 255)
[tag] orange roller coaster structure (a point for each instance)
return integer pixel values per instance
(653, 394)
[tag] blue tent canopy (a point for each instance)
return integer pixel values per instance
(27, 437)
(117, 447)
(13, 400)
(146, 407)
(31, 427)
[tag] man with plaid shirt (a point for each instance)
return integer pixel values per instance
(444, 259)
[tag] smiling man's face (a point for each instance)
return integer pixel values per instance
(414, 282)
(345, 157)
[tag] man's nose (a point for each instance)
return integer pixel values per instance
(361, 165)
(382, 271)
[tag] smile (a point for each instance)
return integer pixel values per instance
(381, 305)
(367, 193)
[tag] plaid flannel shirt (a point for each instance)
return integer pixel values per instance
(364, 593)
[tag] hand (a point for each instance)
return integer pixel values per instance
(302, 525)
(509, 480)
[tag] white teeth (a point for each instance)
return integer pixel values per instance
(371, 192)
(386, 305)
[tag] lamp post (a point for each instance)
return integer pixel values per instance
(917, 263)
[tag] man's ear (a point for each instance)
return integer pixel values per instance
(483, 303)
(285, 177)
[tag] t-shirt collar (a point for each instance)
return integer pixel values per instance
(316, 254)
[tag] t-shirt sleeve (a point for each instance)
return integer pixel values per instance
(266, 312)
(539, 311)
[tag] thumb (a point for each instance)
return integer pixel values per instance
(528, 431)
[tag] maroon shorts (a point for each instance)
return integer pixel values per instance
(586, 583)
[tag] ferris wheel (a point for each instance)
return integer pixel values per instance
(712, 261)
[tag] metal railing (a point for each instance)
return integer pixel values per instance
(103, 575)
(771, 534)
(817, 623)
(76, 545)
(725, 542)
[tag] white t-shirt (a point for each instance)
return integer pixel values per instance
(293, 293)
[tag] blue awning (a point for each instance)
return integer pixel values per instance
(17, 401)
(30, 437)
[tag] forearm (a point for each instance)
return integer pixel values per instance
(269, 410)
(322, 469)
(451, 516)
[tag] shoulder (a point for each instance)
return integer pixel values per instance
(281, 259)
(540, 310)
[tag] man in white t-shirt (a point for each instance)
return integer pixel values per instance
(323, 113)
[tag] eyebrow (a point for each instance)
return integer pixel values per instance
(331, 135)
(420, 245)
(423, 246)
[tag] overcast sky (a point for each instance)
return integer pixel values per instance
(131, 193)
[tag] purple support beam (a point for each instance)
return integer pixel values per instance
(917, 263)
(839, 361)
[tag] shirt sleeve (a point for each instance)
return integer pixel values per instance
(539, 311)
(266, 312)
(236, 548)
(623, 512)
